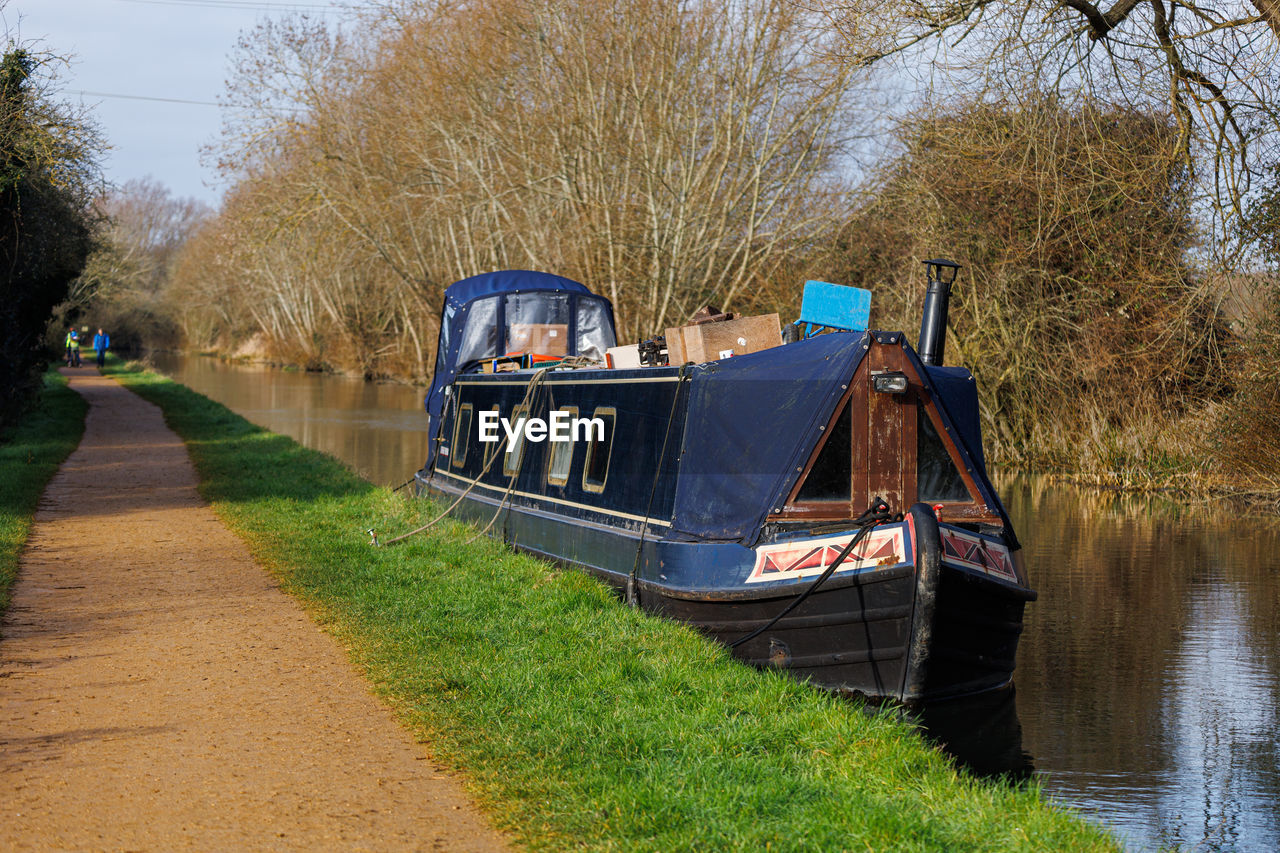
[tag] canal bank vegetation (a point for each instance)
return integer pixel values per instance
(31, 449)
(1117, 299)
(49, 154)
(1080, 313)
(580, 722)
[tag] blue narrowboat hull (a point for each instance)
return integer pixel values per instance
(910, 620)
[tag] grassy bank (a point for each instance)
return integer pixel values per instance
(30, 453)
(580, 722)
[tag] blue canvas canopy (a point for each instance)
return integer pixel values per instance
(458, 294)
(753, 421)
(479, 312)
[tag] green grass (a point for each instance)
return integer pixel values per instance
(30, 453)
(577, 721)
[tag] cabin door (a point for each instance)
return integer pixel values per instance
(884, 447)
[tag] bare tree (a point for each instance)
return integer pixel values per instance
(142, 230)
(665, 154)
(1213, 66)
(145, 227)
(1072, 221)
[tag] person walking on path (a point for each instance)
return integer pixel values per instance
(73, 348)
(158, 691)
(101, 342)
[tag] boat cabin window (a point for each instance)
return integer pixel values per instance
(491, 447)
(560, 459)
(480, 335)
(537, 322)
(515, 448)
(544, 322)
(937, 477)
(831, 475)
(595, 329)
(462, 434)
(596, 469)
(442, 344)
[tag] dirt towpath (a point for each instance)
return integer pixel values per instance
(159, 692)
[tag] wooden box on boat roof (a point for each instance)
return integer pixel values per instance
(715, 340)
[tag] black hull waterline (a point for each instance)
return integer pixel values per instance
(916, 632)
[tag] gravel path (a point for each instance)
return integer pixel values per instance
(159, 692)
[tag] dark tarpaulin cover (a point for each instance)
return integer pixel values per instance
(753, 420)
(957, 395)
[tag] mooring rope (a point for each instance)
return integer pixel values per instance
(531, 399)
(877, 513)
(632, 591)
(531, 389)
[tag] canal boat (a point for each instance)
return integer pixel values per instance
(821, 507)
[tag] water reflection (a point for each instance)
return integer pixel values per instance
(1147, 675)
(378, 429)
(982, 733)
(1147, 682)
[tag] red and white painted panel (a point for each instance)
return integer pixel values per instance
(887, 545)
(970, 551)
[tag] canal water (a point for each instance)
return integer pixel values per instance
(1148, 677)
(377, 429)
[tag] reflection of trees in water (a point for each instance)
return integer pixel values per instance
(1098, 502)
(378, 429)
(1150, 661)
(1225, 700)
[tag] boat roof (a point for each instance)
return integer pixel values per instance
(468, 290)
(754, 419)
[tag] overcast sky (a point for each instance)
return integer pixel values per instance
(133, 59)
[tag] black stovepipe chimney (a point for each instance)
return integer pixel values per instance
(933, 325)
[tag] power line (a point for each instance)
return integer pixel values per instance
(89, 94)
(241, 5)
(142, 98)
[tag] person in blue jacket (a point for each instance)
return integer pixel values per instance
(101, 342)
